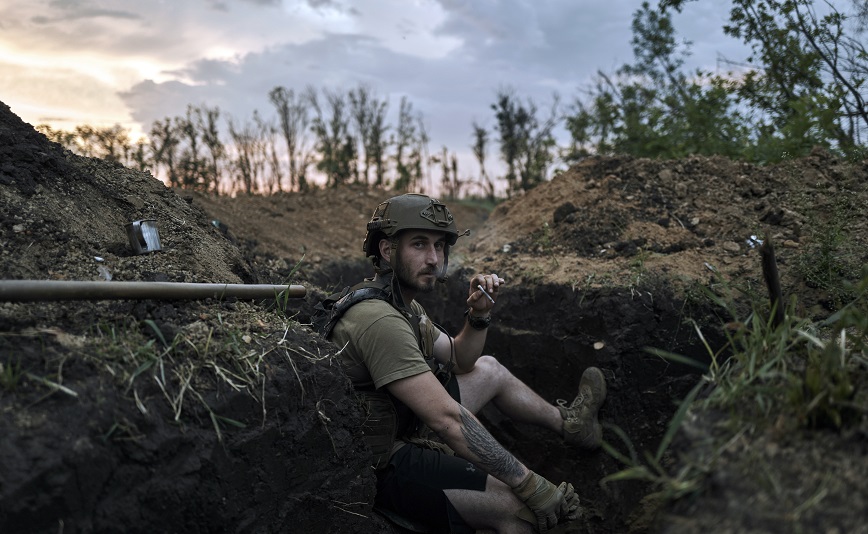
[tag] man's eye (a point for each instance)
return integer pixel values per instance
(439, 246)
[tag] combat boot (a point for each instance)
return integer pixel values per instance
(581, 426)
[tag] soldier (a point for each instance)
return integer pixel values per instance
(437, 466)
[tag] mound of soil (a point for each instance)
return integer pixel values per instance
(230, 415)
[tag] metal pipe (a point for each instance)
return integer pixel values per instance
(37, 290)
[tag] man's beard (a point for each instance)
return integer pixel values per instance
(406, 279)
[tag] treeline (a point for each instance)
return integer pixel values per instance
(802, 86)
(341, 136)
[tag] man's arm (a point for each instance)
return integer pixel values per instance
(461, 430)
(468, 345)
(456, 426)
(469, 342)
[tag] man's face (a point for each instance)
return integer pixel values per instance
(420, 257)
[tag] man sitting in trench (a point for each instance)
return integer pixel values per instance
(414, 377)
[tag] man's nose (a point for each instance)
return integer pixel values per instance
(431, 255)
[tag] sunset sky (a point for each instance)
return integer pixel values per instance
(101, 62)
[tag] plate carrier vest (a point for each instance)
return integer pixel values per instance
(387, 419)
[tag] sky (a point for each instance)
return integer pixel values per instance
(130, 62)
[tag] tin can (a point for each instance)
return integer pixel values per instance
(144, 236)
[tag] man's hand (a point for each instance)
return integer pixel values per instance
(570, 504)
(483, 292)
(544, 499)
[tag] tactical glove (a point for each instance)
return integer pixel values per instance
(570, 506)
(544, 499)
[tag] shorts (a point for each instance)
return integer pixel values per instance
(412, 484)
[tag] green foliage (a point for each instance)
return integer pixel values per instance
(410, 142)
(798, 373)
(334, 141)
(526, 144)
(652, 108)
(808, 85)
(805, 87)
(652, 469)
(830, 259)
(10, 375)
(543, 238)
(369, 118)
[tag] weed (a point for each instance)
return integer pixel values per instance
(799, 371)
(637, 267)
(544, 240)
(10, 375)
(282, 299)
(667, 487)
(796, 374)
(831, 257)
(184, 367)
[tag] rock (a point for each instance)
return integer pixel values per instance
(563, 211)
(731, 246)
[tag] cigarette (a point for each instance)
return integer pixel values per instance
(484, 292)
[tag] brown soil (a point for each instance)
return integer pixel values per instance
(600, 262)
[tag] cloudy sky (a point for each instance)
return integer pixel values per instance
(101, 62)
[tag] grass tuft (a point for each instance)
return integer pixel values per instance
(786, 376)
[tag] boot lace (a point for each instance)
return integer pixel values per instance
(577, 403)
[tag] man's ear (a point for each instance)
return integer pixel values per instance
(386, 249)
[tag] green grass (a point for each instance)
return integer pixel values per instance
(10, 374)
(832, 259)
(796, 375)
(185, 368)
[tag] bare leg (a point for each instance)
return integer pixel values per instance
(493, 509)
(489, 381)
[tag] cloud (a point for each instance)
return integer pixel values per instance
(449, 57)
(80, 9)
(335, 5)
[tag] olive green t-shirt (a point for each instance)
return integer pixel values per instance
(377, 344)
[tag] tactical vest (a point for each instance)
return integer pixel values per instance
(387, 419)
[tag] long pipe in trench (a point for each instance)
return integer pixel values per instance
(38, 290)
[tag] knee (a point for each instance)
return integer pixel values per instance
(490, 367)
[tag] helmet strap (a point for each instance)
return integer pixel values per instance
(442, 277)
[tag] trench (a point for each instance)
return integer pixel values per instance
(547, 335)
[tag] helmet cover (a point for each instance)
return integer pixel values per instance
(410, 211)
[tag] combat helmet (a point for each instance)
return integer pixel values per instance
(410, 211)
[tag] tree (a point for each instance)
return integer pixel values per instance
(403, 141)
(294, 119)
(267, 132)
(250, 158)
(164, 145)
(861, 14)
(361, 118)
(369, 117)
(192, 166)
(139, 155)
(480, 146)
(207, 121)
(111, 143)
(526, 144)
(336, 147)
(806, 85)
(652, 108)
(450, 184)
(810, 80)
